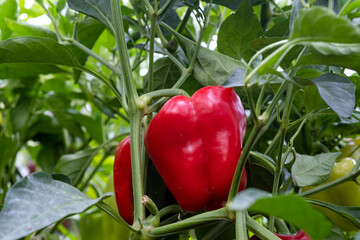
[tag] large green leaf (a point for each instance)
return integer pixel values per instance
(21, 70)
(291, 208)
(338, 92)
(237, 31)
(38, 201)
(36, 50)
(99, 9)
(211, 68)
(326, 32)
(347, 61)
(312, 170)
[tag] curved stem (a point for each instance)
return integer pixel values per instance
(169, 210)
(147, 97)
(106, 208)
(259, 230)
(94, 55)
(190, 223)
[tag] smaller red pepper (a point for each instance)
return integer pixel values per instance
(123, 180)
(301, 235)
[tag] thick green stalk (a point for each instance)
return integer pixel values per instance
(135, 114)
(119, 33)
(137, 177)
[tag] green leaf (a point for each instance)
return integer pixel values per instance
(326, 32)
(36, 50)
(86, 32)
(312, 170)
(22, 29)
(166, 74)
(20, 113)
(347, 61)
(8, 9)
(338, 92)
(93, 126)
(352, 214)
(38, 201)
(99, 9)
(8, 148)
(237, 31)
(291, 208)
(234, 4)
(211, 68)
(72, 164)
(313, 100)
(261, 174)
(21, 70)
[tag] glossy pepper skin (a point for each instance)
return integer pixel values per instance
(123, 180)
(346, 194)
(301, 235)
(195, 144)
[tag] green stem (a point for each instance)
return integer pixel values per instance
(94, 171)
(137, 177)
(119, 33)
(170, 210)
(279, 162)
(163, 7)
(88, 161)
(98, 76)
(240, 228)
(94, 55)
(153, 17)
(241, 164)
(147, 97)
(259, 230)
(106, 208)
(189, 223)
(350, 177)
(217, 230)
(184, 20)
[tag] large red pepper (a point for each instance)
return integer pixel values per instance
(301, 235)
(195, 144)
(123, 181)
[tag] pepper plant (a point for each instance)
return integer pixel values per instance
(102, 72)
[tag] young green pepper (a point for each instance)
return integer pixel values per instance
(195, 144)
(345, 194)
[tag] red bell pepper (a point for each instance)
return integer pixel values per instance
(195, 144)
(123, 180)
(301, 235)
